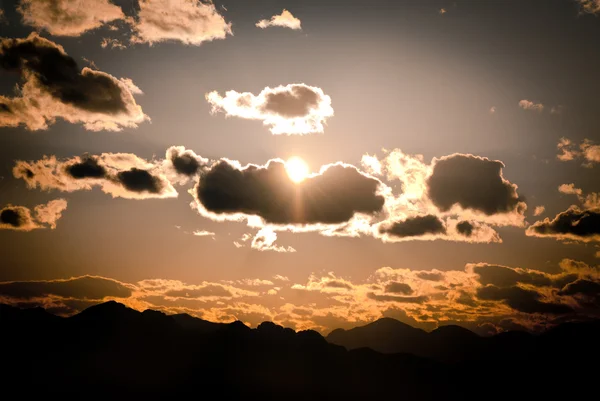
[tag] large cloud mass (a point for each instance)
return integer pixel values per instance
(294, 109)
(332, 196)
(54, 87)
(21, 218)
(68, 17)
(472, 182)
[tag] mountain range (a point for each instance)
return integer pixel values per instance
(109, 351)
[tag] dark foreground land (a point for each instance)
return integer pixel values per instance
(110, 352)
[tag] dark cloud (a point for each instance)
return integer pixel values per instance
(331, 197)
(465, 228)
(13, 216)
(87, 168)
(521, 299)
(414, 227)
(137, 180)
(296, 102)
(503, 276)
(398, 288)
(572, 224)
(338, 284)
(56, 87)
(430, 276)
(396, 298)
(184, 161)
(583, 287)
(472, 182)
(59, 75)
(210, 290)
(86, 287)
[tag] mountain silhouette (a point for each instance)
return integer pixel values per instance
(110, 351)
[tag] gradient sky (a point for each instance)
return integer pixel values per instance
(509, 81)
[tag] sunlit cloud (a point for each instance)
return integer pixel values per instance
(529, 105)
(68, 17)
(20, 218)
(191, 22)
(587, 150)
(93, 98)
(119, 174)
(569, 189)
(539, 210)
(590, 6)
(112, 44)
(284, 20)
(481, 294)
(294, 109)
(203, 233)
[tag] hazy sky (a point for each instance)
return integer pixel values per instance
(453, 123)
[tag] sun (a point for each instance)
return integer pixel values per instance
(296, 169)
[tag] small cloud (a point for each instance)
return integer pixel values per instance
(539, 210)
(284, 20)
(529, 105)
(203, 233)
(294, 109)
(280, 278)
(442, 11)
(493, 110)
(569, 189)
(112, 43)
(587, 150)
(589, 6)
(21, 218)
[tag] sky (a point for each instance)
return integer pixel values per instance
(314, 163)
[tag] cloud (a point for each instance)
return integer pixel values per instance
(203, 233)
(112, 43)
(590, 6)
(569, 189)
(294, 109)
(54, 87)
(539, 210)
(572, 224)
(395, 287)
(68, 17)
(229, 191)
(265, 239)
(21, 218)
(529, 105)
(181, 164)
(505, 297)
(85, 287)
(191, 22)
(414, 227)
(285, 20)
(473, 182)
(50, 212)
(119, 174)
(522, 300)
(396, 298)
(587, 150)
